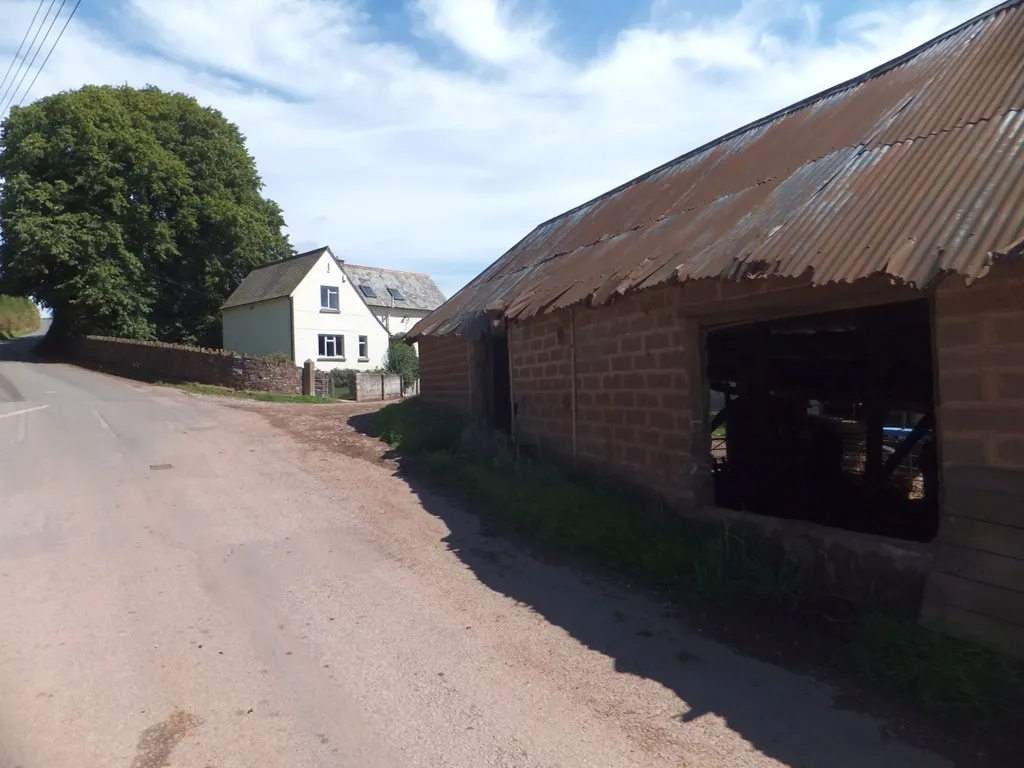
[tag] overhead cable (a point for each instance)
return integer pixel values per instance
(12, 90)
(48, 53)
(17, 54)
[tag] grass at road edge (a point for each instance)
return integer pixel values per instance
(18, 317)
(941, 675)
(266, 397)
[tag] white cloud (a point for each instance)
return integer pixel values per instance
(486, 30)
(395, 159)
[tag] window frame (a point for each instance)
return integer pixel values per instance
(364, 349)
(367, 290)
(326, 291)
(396, 293)
(339, 346)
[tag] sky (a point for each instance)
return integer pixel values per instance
(432, 135)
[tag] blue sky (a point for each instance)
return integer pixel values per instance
(431, 135)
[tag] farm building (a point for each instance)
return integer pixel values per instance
(840, 278)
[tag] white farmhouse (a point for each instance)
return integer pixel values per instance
(398, 299)
(307, 308)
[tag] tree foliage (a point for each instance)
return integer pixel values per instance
(131, 212)
(401, 359)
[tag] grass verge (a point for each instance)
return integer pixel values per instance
(938, 674)
(266, 397)
(18, 317)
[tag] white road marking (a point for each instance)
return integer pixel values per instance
(22, 432)
(23, 410)
(103, 422)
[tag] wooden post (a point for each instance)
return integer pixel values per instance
(876, 405)
(572, 374)
(511, 381)
(469, 377)
(761, 402)
(920, 429)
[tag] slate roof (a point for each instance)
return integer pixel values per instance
(275, 280)
(911, 171)
(419, 290)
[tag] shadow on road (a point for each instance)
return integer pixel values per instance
(786, 716)
(18, 351)
(23, 349)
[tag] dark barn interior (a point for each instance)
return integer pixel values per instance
(497, 395)
(828, 418)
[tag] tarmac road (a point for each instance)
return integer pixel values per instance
(185, 585)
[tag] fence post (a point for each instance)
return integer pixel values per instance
(309, 378)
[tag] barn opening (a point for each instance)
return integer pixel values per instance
(497, 383)
(828, 418)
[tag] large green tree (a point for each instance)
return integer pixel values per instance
(131, 212)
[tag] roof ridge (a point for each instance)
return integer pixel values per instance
(871, 74)
(296, 256)
(398, 271)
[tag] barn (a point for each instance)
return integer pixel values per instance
(818, 317)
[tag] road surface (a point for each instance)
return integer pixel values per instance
(185, 584)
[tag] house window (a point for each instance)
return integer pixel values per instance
(331, 346)
(329, 298)
(396, 294)
(367, 291)
(364, 348)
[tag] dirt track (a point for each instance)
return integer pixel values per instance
(187, 584)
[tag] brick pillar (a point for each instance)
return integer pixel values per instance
(309, 378)
(977, 585)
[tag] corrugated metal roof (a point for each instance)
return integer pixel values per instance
(274, 280)
(912, 170)
(419, 291)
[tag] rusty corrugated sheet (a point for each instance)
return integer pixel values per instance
(913, 170)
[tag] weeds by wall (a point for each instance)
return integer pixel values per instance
(940, 674)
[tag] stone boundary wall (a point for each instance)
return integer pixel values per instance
(177, 362)
(377, 386)
(322, 383)
(364, 387)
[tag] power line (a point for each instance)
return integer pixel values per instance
(14, 93)
(48, 53)
(22, 61)
(25, 70)
(23, 39)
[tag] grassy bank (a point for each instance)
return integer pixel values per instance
(718, 566)
(266, 397)
(18, 316)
